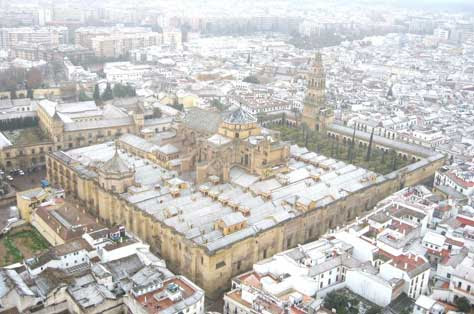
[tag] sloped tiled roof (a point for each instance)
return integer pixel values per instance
(115, 165)
(202, 120)
(240, 116)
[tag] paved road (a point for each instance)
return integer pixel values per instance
(28, 181)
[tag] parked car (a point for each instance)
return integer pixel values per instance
(21, 173)
(9, 178)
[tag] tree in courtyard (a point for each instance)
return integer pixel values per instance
(96, 93)
(283, 118)
(341, 303)
(369, 148)
(350, 151)
(296, 115)
(394, 160)
(107, 94)
(83, 96)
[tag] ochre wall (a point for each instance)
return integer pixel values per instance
(198, 264)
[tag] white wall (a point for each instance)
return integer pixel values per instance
(370, 287)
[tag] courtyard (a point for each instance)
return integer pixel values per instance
(19, 243)
(378, 161)
(26, 136)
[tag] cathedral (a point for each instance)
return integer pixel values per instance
(240, 142)
(316, 115)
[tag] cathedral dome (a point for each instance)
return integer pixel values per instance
(116, 165)
(240, 116)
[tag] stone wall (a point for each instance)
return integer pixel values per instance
(213, 270)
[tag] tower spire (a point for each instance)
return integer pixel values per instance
(315, 113)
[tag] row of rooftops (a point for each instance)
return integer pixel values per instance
(303, 272)
(311, 182)
(101, 281)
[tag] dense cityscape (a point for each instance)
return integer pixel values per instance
(236, 157)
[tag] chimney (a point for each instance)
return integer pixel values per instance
(405, 266)
(416, 258)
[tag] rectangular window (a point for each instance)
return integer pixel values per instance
(220, 265)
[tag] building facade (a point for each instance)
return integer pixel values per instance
(215, 231)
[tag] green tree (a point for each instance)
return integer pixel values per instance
(107, 94)
(119, 91)
(463, 304)
(251, 79)
(218, 105)
(131, 91)
(350, 151)
(179, 107)
(369, 148)
(83, 96)
(96, 93)
(374, 310)
(157, 112)
(394, 160)
(29, 93)
(34, 78)
(341, 303)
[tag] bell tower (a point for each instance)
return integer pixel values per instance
(315, 113)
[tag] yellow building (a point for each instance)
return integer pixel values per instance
(252, 198)
(28, 201)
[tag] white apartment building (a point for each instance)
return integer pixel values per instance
(54, 36)
(123, 72)
(414, 269)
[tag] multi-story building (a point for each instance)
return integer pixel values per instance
(292, 280)
(11, 37)
(174, 295)
(459, 178)
(116, 42)
(413, 269)
(105, 271)
(68, 125)
(35, 52)
(125, 71)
